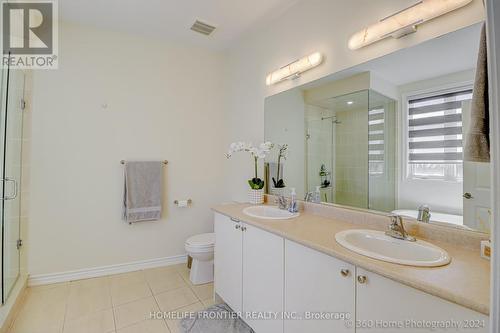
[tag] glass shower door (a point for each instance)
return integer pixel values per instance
(11, 132)
(319, 150)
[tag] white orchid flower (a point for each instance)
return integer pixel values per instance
(257, 153)
(233, 147)
(236, 146)
(254, 151)
(261, 154)
(266, 147)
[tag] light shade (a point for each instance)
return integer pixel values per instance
(295, 68)
(408, 18)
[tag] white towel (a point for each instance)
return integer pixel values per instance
(142, 191)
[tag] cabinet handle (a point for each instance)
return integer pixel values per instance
(344, 272)
(237, 226)
(243, 228)
(362, 279)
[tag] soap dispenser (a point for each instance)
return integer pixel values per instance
(317, 195)
(293, 208)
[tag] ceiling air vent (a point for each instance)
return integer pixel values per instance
(202, 28)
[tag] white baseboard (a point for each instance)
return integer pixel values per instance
(35, 280)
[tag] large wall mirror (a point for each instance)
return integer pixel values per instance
(387, 135)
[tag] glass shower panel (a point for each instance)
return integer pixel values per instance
(382, 152)
(320, 147)
(3, 99)
(351, 149)
(11, 132)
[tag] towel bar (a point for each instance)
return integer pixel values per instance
(164, 162)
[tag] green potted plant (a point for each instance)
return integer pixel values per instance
(278, 182)
(256, 191)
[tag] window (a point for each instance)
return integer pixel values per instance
(376, 139)
(434, 136)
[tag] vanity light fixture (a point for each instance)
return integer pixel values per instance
(404, 22)
(294, 69)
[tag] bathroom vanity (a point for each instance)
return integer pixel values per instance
(382, 137)
(292, 276)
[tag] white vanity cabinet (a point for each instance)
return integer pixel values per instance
(261, 274)
(263, 261)
(228, 268)
(383, 305)
(249, 273)
(319, 289)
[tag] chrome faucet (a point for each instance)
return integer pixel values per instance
(397, 229)
(424, 214)
(282, 202)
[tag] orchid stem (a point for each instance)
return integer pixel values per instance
(255, 159)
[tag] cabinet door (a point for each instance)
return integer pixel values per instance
(384, 306)
(227, 260)
(262, 279)
(319, 290)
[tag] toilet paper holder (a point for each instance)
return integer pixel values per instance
(178, 202)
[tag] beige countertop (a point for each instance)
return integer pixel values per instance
(465, 281)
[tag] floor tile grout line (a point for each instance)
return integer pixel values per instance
(195, 295)
(132, 300)
(113, 312)
(156, 302)
(169, 290)
(186, 285)
(93, 311)
(72, 285)
(177, 274)
(152, 295)
(158, 305)
(65, 311)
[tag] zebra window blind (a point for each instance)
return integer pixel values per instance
(435, 128)
(376, 141)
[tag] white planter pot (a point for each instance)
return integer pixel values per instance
(256, 197)
(281, 191)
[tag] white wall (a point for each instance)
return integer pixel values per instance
(308, 26)
(163, 102)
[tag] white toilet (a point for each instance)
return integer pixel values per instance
(201, 249)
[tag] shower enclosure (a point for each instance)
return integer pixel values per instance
(11, 137)
(351, 150)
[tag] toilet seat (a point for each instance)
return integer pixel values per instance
(201, 242)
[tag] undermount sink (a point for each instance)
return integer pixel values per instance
(269, 213)
(377, 245)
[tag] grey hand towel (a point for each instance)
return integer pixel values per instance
(477, 139)
(143, 191)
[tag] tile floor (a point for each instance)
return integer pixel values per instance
(113, 304)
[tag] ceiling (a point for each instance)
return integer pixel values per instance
(172, 19)
(354, 101)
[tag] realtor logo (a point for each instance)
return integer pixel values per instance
(29, 34)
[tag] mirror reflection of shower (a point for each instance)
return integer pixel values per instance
(334, 119)
(345, 161)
